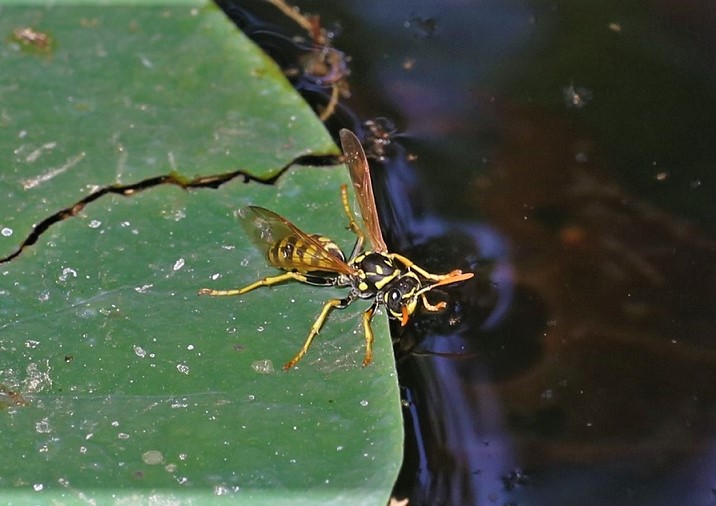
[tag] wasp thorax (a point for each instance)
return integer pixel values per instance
(377, 271)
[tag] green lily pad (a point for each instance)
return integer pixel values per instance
(136, 388)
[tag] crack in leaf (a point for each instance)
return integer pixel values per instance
(173, 178)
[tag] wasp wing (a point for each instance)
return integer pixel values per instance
(360, 175)
(266, 229)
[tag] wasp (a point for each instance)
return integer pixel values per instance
(389, 279)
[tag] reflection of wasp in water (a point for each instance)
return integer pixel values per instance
(388, 278)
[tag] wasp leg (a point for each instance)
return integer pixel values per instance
(352, 225)
(437, 307)
(261, 282)
(368, 330)
(409, 264)
(327, 308)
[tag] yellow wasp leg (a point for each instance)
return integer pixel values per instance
(415, 267)
(351, 219)
(273, 280)
(327, 308)
(367, 317)
(409, 264)
(437, 307)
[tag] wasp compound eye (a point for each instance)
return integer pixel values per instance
(401, 292)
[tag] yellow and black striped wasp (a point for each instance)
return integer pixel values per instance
(389, 279)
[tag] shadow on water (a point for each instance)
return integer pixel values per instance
(564, 152)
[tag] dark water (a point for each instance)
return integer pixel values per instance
(566, 152)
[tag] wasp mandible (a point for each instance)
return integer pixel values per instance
(390, 279)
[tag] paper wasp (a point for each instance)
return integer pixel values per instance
(389, 279)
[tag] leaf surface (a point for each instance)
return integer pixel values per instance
(136, 387)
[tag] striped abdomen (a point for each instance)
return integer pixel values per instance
(295, 254)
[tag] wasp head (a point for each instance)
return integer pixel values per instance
(401, 298)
